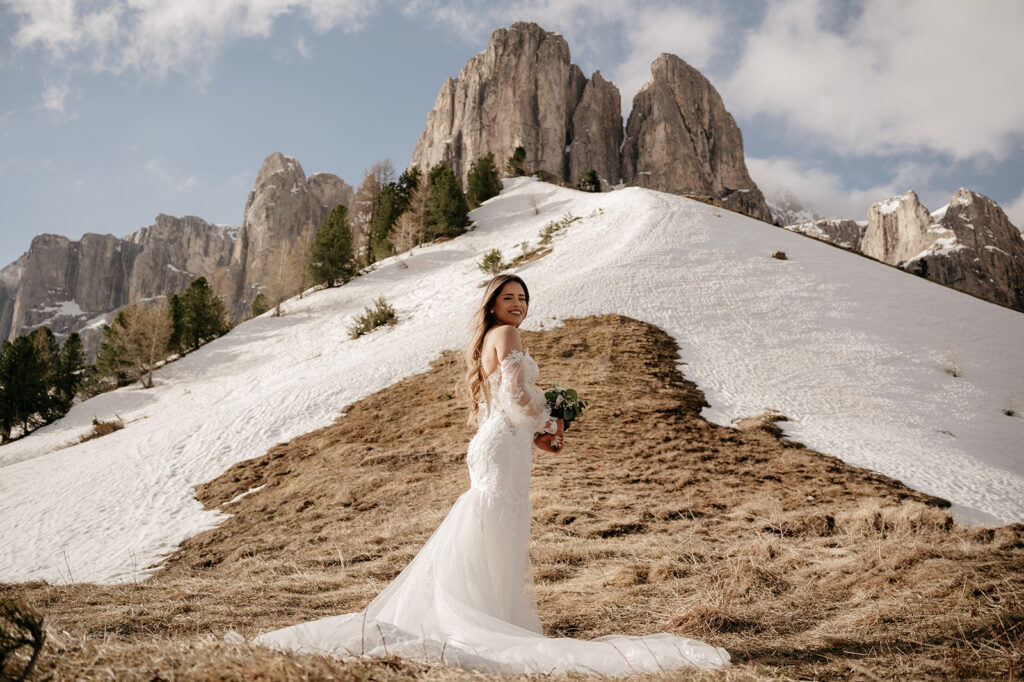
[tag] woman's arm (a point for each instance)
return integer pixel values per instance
(523, 400)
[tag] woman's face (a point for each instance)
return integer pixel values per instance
(510, 304)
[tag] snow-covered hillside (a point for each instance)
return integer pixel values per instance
(852, 351)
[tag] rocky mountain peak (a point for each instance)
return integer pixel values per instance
(681, 139)
(898, 229)
(522, 90)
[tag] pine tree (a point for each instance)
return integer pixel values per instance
(330, 258)
(27, 369)
(482, 183)
(47, 354)
(259, 305)
(138, 339)
(516, 164)
(447, 211)
(8, 419)
(392, 203)
(589, 181)
(110, 361)
(70, 372)
(197, 315)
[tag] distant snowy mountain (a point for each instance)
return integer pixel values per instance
(858, 355)
(969, 244)
(786, 209)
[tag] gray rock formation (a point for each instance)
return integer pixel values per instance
(597, 133)
(74, 285)
(522, 90)
(969, 244)
(847, 234)
(282, 213)
(975, 250)
(898, 229)
(78, 285)
(680, 139)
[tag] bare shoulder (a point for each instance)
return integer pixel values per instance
(502, 339)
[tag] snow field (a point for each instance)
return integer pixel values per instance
(852, 351)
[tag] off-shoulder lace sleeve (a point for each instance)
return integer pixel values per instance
(522, 402)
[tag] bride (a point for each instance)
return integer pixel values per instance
(467, 598)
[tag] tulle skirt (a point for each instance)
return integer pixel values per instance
(467, 599)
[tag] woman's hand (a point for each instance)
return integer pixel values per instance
(550, 442)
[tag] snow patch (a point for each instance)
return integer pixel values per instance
(754, 336)
(889, 205)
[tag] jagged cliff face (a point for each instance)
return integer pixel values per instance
(680, 139)
(976, 250)
(282, 213)
(524, 91)
(597, 133)
(969, 244)
(77, 285)
(898, 229)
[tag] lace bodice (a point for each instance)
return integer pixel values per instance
(510, 392)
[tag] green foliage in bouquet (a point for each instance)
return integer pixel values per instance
(565, 404)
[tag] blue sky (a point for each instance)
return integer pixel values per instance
(112, 111)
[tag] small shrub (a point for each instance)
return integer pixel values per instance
(588, 181)
(549, 231)
(379, 315)
(781, 255)
(515, 166)
(1011, 404)
(102, 428)
(21, 628)
(492, 264)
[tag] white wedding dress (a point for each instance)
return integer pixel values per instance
(467, 598)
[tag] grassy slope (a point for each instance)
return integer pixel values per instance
(651, 520)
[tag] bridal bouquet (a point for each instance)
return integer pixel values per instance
(565, 404)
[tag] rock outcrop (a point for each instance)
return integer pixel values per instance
(73, 285)
(524, 91)
(282, 213)
(77, 285)
(976, 250)
(847, 234)
(969, 244)
(898, 229)
(680, 139)
(597, 133)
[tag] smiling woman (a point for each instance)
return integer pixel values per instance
(467, 598)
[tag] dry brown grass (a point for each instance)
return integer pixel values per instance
(651, 519)
(99, 429)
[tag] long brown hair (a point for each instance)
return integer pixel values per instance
(482, 323)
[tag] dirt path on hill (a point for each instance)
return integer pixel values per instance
(651, 519)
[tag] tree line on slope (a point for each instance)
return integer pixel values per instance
(388, 216)
(39, 379)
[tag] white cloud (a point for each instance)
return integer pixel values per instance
(54, 97)
(825, 192)
(1015, 211)
(161, 36)
(651, 31)
(303, 49)
(901, 77)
